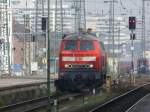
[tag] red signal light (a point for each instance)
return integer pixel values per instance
(132, 23)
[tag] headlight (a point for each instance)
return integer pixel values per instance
(68, 66)
(91, 65)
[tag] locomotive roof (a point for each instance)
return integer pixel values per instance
(82, 36)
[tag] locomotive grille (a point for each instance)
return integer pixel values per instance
(81, 66)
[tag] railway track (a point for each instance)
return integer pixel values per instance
(25, 106)
(34, 104)
(123, 102)
(119, 104)
(130, 109)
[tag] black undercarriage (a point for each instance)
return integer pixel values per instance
(76, 80)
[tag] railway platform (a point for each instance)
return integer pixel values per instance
(18, 89)
(17, 83)
(9, 82)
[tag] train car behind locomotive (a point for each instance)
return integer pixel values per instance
(82, 62)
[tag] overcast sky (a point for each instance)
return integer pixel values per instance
(128, 6)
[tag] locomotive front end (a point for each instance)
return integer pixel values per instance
(79, 64)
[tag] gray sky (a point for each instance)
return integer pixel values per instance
(128, 7)
(121, 6)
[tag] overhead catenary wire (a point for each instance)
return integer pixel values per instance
(122, 5)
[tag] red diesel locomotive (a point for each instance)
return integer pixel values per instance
(82, 62)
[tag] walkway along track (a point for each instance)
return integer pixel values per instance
(123, 102)
(35, 104)
(16, 87)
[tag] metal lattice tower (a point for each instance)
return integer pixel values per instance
(36, 30)
(4, 38)
(58, 27)
(80, 21)
(143, 29)
(39, 12)
(143, 42)
(79, 13)
(58, 18)
(110, 26)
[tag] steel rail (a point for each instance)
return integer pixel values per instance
(35, 104)
(123, 102)
(25, 106)
(130, 109)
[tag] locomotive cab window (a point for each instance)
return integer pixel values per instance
(86, 45)
(102, 45)
(70, 45)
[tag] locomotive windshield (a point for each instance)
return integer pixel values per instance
(70, 45)
(86, 45)
(102, 45)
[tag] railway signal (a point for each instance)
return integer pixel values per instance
(132, 23)
(132, 27)
(132, 36)
(44, 22)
